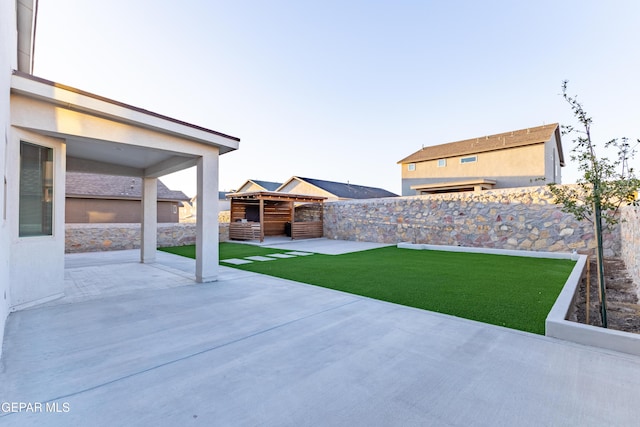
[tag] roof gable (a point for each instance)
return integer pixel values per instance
(347, 191)
(265, 185)
(517, 138)
(111, 186)
(268, 185)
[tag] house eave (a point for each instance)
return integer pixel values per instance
(85, 102)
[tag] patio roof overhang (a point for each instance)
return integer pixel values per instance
(114, 138)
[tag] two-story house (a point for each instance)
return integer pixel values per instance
(518, 158)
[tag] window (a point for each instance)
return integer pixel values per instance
(411, 167)
(469, 159)
(36, 190)
(442, 163)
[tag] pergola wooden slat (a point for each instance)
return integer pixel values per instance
(255, 215)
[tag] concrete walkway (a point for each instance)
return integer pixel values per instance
(254, 350)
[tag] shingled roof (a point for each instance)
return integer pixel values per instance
(516, 138)
(91, 185)
(267, 185)
(349, 191)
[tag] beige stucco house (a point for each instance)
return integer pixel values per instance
(47, 129)
(517, 158)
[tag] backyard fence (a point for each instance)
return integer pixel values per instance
(522, 219)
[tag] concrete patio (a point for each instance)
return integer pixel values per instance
(255, 350)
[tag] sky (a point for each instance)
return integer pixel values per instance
(341, 90)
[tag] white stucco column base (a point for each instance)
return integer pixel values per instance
(149, 226)
(207, 218)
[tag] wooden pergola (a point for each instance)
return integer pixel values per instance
(255, 215)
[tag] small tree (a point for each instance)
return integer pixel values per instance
(604, 186)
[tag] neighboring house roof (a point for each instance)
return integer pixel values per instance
(265, 185)
(345, 191)
(90, 185)
(516, 138)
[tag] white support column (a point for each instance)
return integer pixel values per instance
(149, 226)
(207, 218)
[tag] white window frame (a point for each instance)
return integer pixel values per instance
(442, 163)
(411, 167)
(50, 194)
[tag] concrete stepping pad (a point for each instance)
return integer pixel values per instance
(236, 261)
(296, 253)
(260, 258)
(281, 256)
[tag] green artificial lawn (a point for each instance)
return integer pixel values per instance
(515, 292)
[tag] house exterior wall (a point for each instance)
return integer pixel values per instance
(511, 167)
(81, 210)
(552, 169)
(301, 187)
(36, 270)
(8, 60)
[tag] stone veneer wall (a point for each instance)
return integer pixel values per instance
(113, 237)
(308, 212)
(521, 218)
(630, 236)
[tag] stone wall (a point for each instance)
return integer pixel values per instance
(522, 219)
(113, 237)
(630, 236)
(308, 212)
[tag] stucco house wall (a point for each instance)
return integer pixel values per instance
(7, 63)
(36, 263)
(552, 167)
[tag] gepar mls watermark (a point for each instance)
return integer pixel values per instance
(34, 407)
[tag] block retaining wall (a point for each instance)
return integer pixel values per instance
(521, 219)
